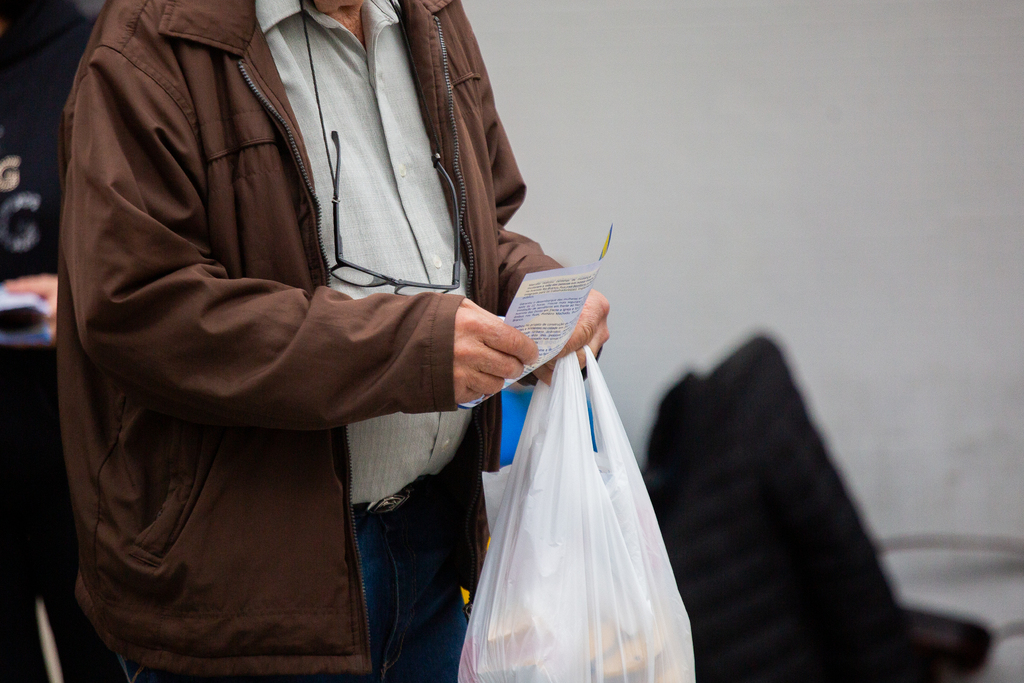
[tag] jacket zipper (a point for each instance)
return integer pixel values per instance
(298, 159)
(355, 539)
(471, 268)
(456, 166)
(471, 259)
(323, 254)
(470, 516)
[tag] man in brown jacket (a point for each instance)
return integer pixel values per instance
(268, 472)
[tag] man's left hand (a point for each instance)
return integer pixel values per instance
(591, 330)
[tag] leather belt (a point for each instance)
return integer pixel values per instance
(386, 504)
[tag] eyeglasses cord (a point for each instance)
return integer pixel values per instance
(316, 90)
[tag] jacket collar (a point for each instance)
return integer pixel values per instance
(224, 24)
(229, 24)
(435, 6)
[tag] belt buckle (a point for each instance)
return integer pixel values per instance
(389, 503)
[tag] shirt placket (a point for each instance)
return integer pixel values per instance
(408, 166)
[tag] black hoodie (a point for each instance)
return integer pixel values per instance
(39, 53)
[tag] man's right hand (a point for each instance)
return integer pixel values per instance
(487, 352)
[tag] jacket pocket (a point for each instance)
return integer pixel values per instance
(466, 90)
(469, 79)
(183, 464)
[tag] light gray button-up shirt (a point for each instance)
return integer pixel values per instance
(394, 219)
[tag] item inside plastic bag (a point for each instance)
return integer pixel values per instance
(576, 586)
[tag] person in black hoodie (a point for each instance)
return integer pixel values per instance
(40, 45)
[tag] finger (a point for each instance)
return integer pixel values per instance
(493, 332)
(510, 341)
(42, 285)
(544, 374)
(31, 280)
(481, 384)
(581, 334)
(496, 364)
(475, 355)
(592, 324)
(467, 395)
(598, 342)
(23, 284)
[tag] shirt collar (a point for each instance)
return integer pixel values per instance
(378, 14)
(269, 13)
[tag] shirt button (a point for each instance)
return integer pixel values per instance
(401, 170)
(437, 261)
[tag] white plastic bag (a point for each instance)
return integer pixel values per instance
(576, 586)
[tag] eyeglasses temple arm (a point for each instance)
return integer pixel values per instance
(335, 201)
(457, 255)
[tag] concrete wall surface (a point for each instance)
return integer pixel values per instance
(847, 175)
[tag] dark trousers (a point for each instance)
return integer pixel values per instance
(413, 599)
(38, 548)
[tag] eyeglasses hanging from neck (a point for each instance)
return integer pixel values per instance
(352, 273)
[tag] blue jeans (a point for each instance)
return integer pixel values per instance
(413, 599)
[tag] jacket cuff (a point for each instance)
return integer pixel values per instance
(442, 351)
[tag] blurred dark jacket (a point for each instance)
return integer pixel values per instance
(778, 576)
(38, 56)
(39, 53)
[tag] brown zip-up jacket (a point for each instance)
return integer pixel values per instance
(207, 372)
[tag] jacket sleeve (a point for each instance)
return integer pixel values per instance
(159, 315)
(517, 255)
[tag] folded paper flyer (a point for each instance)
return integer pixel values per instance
(547, 307)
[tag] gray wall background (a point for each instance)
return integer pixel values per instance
(847, 175)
